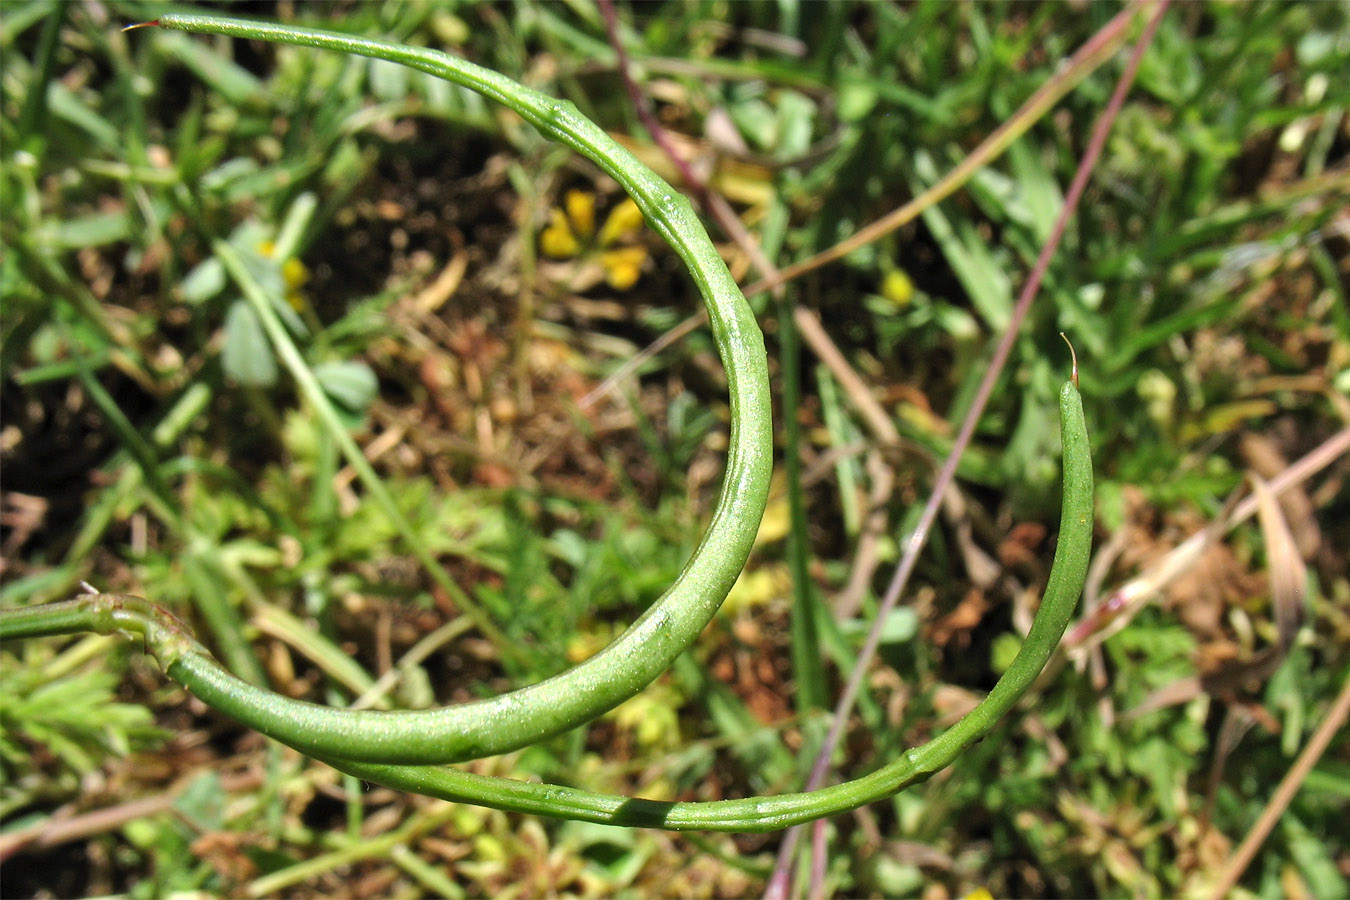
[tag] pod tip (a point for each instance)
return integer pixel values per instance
(1074, 356)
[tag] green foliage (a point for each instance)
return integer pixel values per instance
(66, 712)
(1200, 284)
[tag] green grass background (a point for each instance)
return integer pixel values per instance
(151, 443)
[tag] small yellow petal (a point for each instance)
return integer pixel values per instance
(267, 248)
(756, 587)
(294, 273)
(557, 240)
(624, 219)
(581, 211)
(897, 288)
(650, 717)
(586, 644)
(623, 266)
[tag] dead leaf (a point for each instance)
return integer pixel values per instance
(1288, 574)
(1264, 458)
(1020, 546)
(961, 621)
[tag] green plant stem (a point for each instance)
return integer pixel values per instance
(48, 620)
(672, 623)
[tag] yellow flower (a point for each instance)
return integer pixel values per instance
(586, 644)
(652, 717)
(623, 220)
(557, 240)
(581, 212)
(570, 234)
(897, 288)
(294, 275)
(623, 266)
(756, 587)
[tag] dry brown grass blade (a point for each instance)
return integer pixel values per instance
(1288, 581)
(1183, 690)
(1126, 601)
(1279, 801)
(1288, 574)
(1091, 55)
(1237, 721)
(1079, 66)
(1262, 456)
(66, 825)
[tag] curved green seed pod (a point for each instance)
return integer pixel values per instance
(650, 645)
(394, 747)
(755, 814)
(183, 659)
